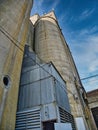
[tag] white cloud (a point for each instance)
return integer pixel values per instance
(86, 13)
(37, 7)
(88, 31)
(84, 48)
(93, 58)
(54, 5)
(83, 15)
(88, 47)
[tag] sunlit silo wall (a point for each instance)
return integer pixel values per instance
(50, 46)
(14, 23)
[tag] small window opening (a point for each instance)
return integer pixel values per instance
(6, 81)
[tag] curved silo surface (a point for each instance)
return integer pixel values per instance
(49, 45)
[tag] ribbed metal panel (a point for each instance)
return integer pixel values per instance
(61, 96)
(37, 87)
(35, 73)
(66, 117)
(28, 120)
(36, 93)
(29, 58)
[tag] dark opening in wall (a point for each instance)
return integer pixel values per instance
(95, 115)
(49, 125)
(6, 81)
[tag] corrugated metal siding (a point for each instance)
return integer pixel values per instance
(43, 91)
(40, 88)
(28, 60)
(36, 93)
(28, 120)
(50, 68)
(62, 97)
(34, 73)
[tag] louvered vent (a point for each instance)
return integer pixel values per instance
(66, 117)
(28, 120)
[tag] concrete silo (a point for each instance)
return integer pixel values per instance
(50, 45)
(14, 23)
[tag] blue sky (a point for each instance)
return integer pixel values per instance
(78, 20)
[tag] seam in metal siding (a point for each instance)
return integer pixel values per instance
(29, 119)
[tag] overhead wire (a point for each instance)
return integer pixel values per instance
(12, 39)
(90, 81)
(92, 76)
(10, 35)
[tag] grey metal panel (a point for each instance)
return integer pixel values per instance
(34, 75)
(80, 123)
(25, 78)
(35, 88)
(44, 72)
(28, 69)
(30, 76)
(49, 112)
(63, 126)
(39, 72)
(50, 68)
(56, 75)
(38, 87)
(42, 91)
(47, 90)
(36, 93)
(29, 58)
(61, 96)
(29, 96)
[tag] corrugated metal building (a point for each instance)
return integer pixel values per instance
(43, 102)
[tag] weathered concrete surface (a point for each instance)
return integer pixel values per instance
(14, 21)
(51, 46)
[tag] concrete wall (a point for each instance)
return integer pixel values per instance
(14, 21)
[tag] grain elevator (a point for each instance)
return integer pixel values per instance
(40, 88)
